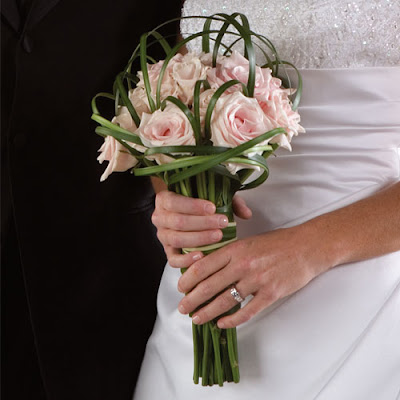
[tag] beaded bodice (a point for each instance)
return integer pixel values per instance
(315, 33)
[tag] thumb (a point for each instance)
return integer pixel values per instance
(240, 208)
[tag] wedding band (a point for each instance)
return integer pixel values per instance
(236, 295)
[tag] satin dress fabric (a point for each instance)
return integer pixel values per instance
(338, 337)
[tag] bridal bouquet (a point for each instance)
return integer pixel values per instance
(204, 123)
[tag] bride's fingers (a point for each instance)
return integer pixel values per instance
(169, 237)
(213, 284)
(240, 208)
(200, 270)
(188, 223)
(253, 307)
(185, 205)
(221, 304)
(178, 260)
(203, 292)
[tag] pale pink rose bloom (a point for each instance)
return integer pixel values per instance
(165, 128)
(186, 73)
(206, 59)
(279, 112)
(124, 119)
(160, 158)
(236, 120)
(237, 67)
(139, 100)
(204, 100)
(169, 86)
(118, 157)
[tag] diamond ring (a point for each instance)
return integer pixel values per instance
(236, 295)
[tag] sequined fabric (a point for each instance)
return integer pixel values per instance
(315, 33)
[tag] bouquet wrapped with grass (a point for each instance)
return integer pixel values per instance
(203, 123)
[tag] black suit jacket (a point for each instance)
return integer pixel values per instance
(90, 261)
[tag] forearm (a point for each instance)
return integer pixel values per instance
(365, 229)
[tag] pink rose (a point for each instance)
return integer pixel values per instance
(124, 119)
(139, 100)
(237, 67)
(186, 72)
(165, 128)
(237, 119)
(168, 86)
(204, 100)
(118, 157)
(180, 77)
(206, 59)
(279, 112)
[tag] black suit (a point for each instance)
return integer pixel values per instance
(86, 250)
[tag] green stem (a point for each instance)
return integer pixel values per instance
(234, 336)
(204, 184)
(211, 186)
(226, 363)
(206, 354)
(200, 348)
(211, 372)
(188, 187)
(226, 183)
(232, 345)
(195, 354)
(216, 333)
(215, 377)
(184, 190)
(200, 192)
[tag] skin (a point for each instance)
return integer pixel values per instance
(272, 265)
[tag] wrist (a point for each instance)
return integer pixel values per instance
(323, 244)
(333, 238)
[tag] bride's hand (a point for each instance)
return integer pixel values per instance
(268, 266)
(186, 222)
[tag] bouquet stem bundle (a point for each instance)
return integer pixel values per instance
(215, 350)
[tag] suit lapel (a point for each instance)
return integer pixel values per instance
(10, 12)
(40, 9)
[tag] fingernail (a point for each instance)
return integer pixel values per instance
(196, 319)
(216, 235)
(179, 288)
(223, 222)
(209, 208)
(181, 309)
(221, 325)
(197, 256)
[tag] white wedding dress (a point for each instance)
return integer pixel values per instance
(338, 338)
